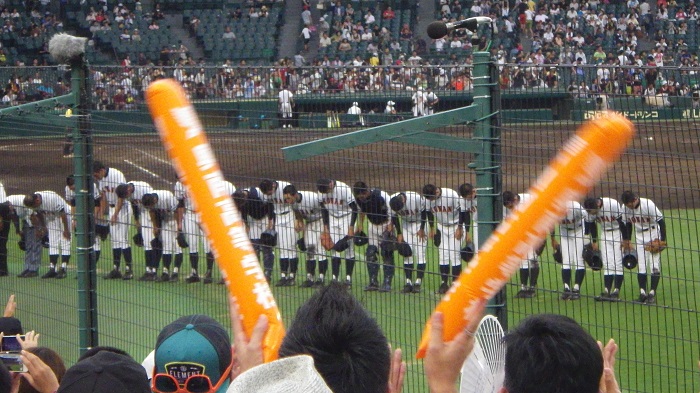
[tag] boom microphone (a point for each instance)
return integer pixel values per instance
(439, 29)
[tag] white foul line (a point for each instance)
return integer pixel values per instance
(145, 153)
(147, 171)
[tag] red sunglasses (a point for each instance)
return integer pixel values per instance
(166, 383)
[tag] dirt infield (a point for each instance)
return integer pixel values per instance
(662, 162)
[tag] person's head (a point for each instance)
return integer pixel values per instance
(10, 326)
(349, 348)
(466, 190)
(397, 202)
(431, 192)
(592, 205)
(99, 170)
(95, 350)
(510, 199)
(149, 200)
(290, 194)
(361, 191)
(268, 186)
(70, 182)
(32, 200)
(123, 190)
(240, 198)
(51, 359)
(105, 372)
(549, 353)
(629, 199)
(325, 186)
(190, 351)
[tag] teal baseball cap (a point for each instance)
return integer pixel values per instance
(194, 345)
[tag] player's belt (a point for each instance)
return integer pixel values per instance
(610, 230)
(112, 205)
(646, 229)
(572, 229)
(283, 213)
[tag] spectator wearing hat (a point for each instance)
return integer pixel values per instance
(194, 350)
(293, 374)
(105, 372)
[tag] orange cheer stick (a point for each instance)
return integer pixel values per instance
(572, 173)
(186, 143)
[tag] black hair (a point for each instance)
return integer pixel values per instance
(350, 350)
(97, 166)
(359, 187)
(465, 189)
(149, 200)
(627, 197)
(289, 190)
(396, 203)
(548, 353)
(239, 198)
(509, 197)
(70, 180)
(122, 190)
(591, 203)
(95, 350)
(266, 185)
(323, 185)
(429, 190)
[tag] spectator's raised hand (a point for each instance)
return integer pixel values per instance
(443, 360)
(397, 372)
(608, 382)
(10, 307)
(31, 340)
(247, 352)
(38, 374)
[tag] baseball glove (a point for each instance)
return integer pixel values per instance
(138, 239)
(40, 232)
(327, 241)
(157, 244)
(181, 241)
(655, 246)
(301, 244)
(22, 244)
(437, 239)
(102, 231)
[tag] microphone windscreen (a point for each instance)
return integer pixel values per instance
(64, 47)
(437, 30)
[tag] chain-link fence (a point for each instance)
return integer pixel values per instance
(540, 108)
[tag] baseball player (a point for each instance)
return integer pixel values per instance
(530, 266)
(286, 104)
(357, 119)
(373, 203)
(132, 193)
(571, 233)
(444, 204)
(28, 237)
(70, 198)
(431, 101)
(162, 206)
(468, 194)
(5, 221)
(410, 207)
(608, 213)
(419, 100)
(649, 228)
(257, 213)
(339, 217)
(308, 212)
(119, 215)
(50, 211)
(283, 223)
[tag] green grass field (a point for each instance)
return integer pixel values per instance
(659, 345)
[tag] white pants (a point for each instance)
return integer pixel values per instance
(418, 246)
(312, 239)
(611, 253)
(119, 231)
(286, 236)
(449, 247)
(146, 229)
(193, 232)
(168, 235)
(339, 229)
(374, 233)
(56, 239)
(646, 259)
(286, 110)
(572, 248)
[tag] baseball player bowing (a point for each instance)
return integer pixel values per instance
(257, 213)
(444, 204)
(571, 233)
(339, 217)
(51, 215)
(649, 240)
(530, 266)
(283, 223)
(410, 207)
(608, 213)
(162, 207)
(70, 199)
(469, 211)
(132, 193)
(119, 215)
(374, 204)
(308, 211)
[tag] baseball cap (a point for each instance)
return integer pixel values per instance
(105, 372)
(287, 375)
(194, 345)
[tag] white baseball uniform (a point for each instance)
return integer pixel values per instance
(571, 233)
(70, 199)
(610, 237)
(411, 216)
(119, 231)
(284, 221)
(140, 189)
(646, 228)
(337, 202)
(167, 205)
(531, 254)
(446, 209)
(310, 209)
(285, 102)
(53, 207)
